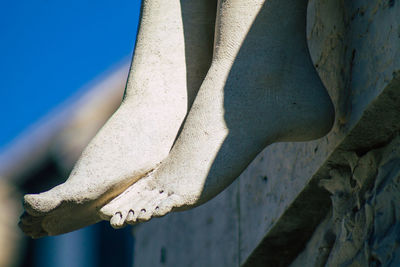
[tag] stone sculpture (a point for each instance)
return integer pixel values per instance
(256, 86)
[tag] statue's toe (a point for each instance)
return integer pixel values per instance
(32, 226)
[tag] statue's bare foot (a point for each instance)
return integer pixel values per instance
(261, 88)
(150, 201)
(162, 85)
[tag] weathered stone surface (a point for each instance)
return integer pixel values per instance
(355, 46)
(318, 247)
(364, 226)
(175, 240)
(288, 234)
(366, 117)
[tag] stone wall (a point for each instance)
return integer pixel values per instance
(280, 212)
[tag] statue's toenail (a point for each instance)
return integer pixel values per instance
(157, 208)
(143, 210)
(161, 191)
(120, 214)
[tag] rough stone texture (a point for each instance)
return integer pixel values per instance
(363, 228)
(318, 247)
(175, 240)
(355, 46)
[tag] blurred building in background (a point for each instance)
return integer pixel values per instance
(41, 158)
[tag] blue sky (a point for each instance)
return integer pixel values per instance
(49, 49)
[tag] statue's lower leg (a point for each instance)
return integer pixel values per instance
(162, 84)
(261, 88)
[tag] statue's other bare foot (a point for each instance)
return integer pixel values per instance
(161, 86)
(261, 88)
(150, 201)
